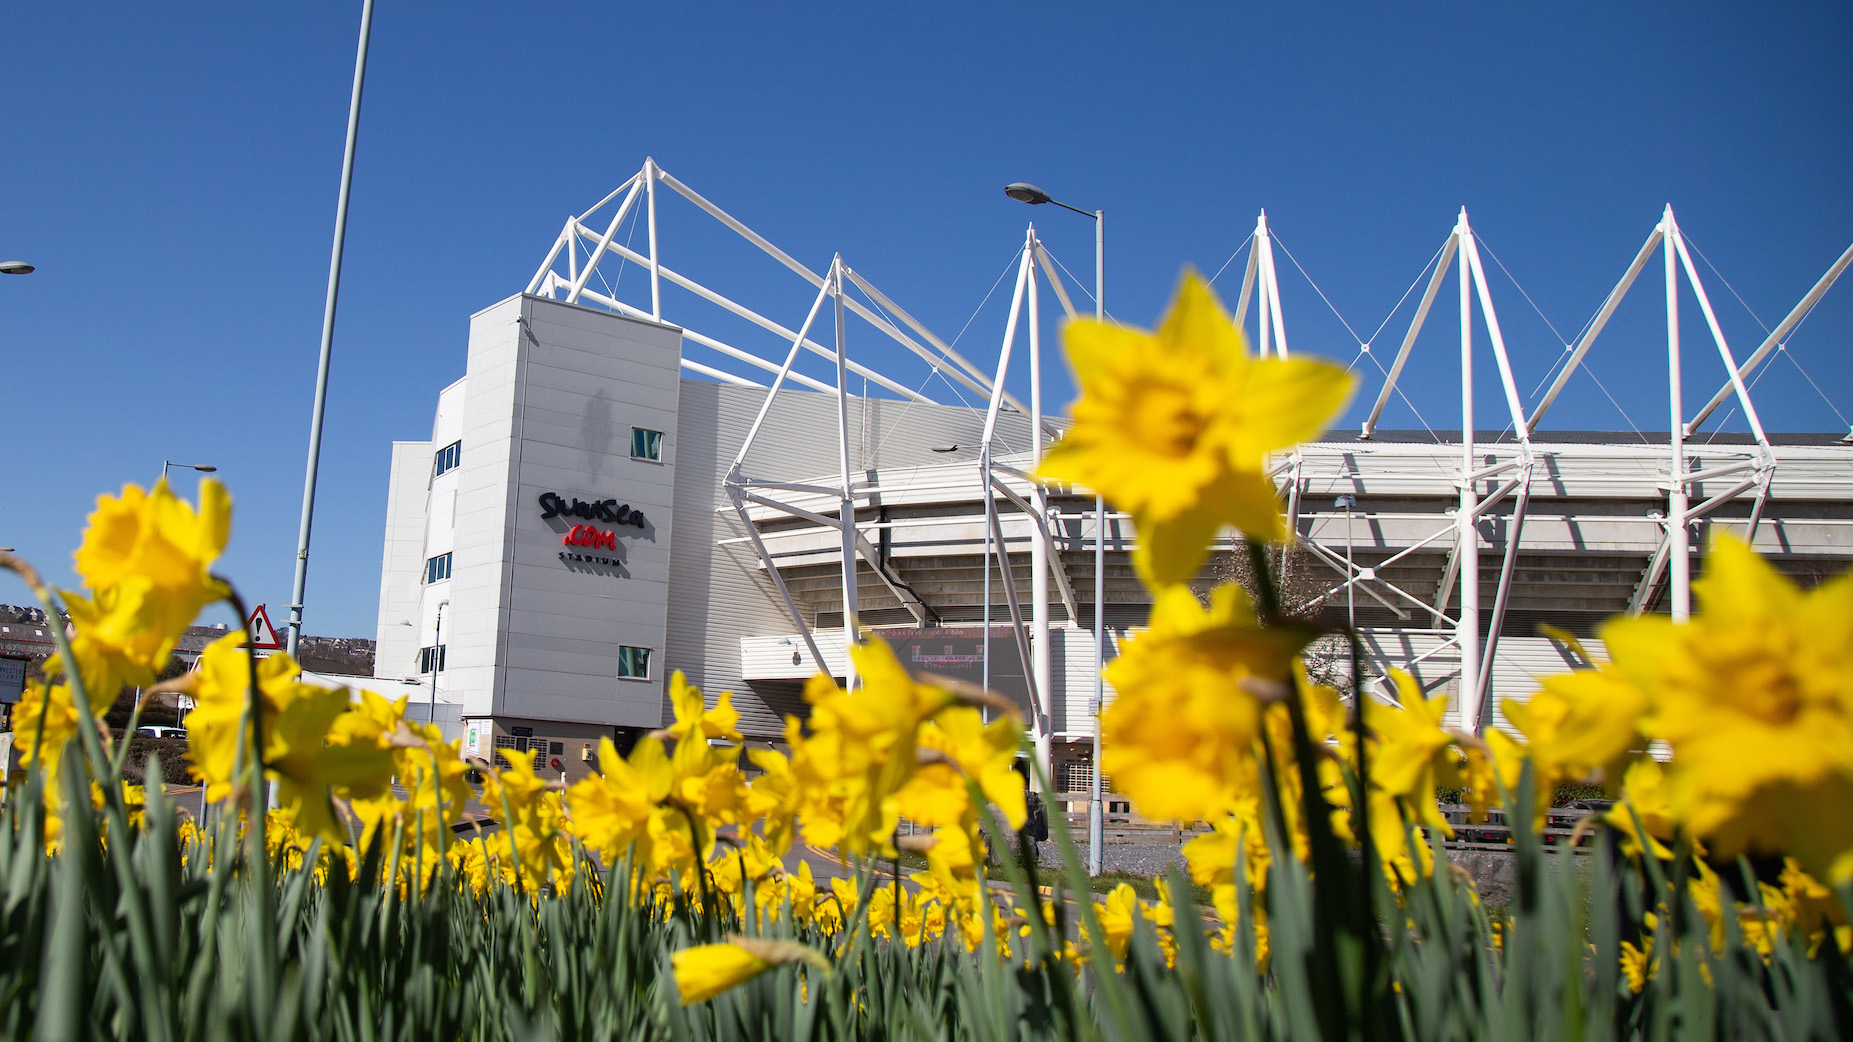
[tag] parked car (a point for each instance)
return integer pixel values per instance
(157, 731)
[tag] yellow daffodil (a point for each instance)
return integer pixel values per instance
(694, 719)
(611, 809)
(965, 746)
(1580, 723)
(661, 806)
(1235, 840)
(1637, 964)
(296, 720)
(1175, 427)
(532, 842)
(470, 858)
(772, 797)
(157, 537)
(861, 750)
(147, 560)
(1180, 737)
(44, 722)
(1643, 797)
(1755, 697)
(1412, 753)
(706, 971)
(1119, 913)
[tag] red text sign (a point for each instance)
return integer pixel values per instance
(588, 535)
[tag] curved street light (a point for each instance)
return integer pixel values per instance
(1024, 192)
(16, 268)
(203, 468)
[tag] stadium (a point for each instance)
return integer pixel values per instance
(638, 478)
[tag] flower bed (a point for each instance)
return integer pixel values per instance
(654, 898)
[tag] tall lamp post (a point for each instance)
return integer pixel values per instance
(437, 661)
(300, 585)
(1096, 821)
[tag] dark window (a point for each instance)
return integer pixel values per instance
(646, 444)
(633, 662)
(438, 568)
(450, 456)
(555, 748)
(430, 658)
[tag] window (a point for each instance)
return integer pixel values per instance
(634, 662)
(431, 658)
(438, 568)
(503, 741)
(450, 456)
(646, 444)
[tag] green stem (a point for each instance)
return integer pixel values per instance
(1267, 598)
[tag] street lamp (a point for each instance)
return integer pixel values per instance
(437, 661)
(16, 268)
(203, 468)
(300, 584)
(1348, 503)
(1024, 192)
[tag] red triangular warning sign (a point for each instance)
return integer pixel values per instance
(263, 634)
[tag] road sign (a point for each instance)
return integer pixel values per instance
(263, 634)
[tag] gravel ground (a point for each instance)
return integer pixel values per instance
(1492, 870)
(1144, 859)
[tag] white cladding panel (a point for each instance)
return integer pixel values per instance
(396, 643)
(1518, 668)
(719, 594)
(479, 535)
(589, 376)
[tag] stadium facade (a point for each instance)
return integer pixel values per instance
(608, 498)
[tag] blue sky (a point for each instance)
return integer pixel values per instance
(172, 171)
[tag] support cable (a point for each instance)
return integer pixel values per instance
(1732, 411)
(1566, 343)
(1405, 297)
(611, 288)
(1014, 258)
(1089, 294)
(1316, 289)
(1782, 348)
(1247, 244)
(1364, 345)
(1790, 355)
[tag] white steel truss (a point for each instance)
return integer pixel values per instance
(1514, 474)
(1488, 475)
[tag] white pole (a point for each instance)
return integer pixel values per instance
(437, 662)
(299, 588)
(847, 515)
(990, 503)
(656, 282)
(1678, 551)
(1263, 313)
(1468, 547)
(1096, 820)
(1039, 547)
(1351, 587)
(1273, 292)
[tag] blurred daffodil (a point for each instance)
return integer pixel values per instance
(1175, 427)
